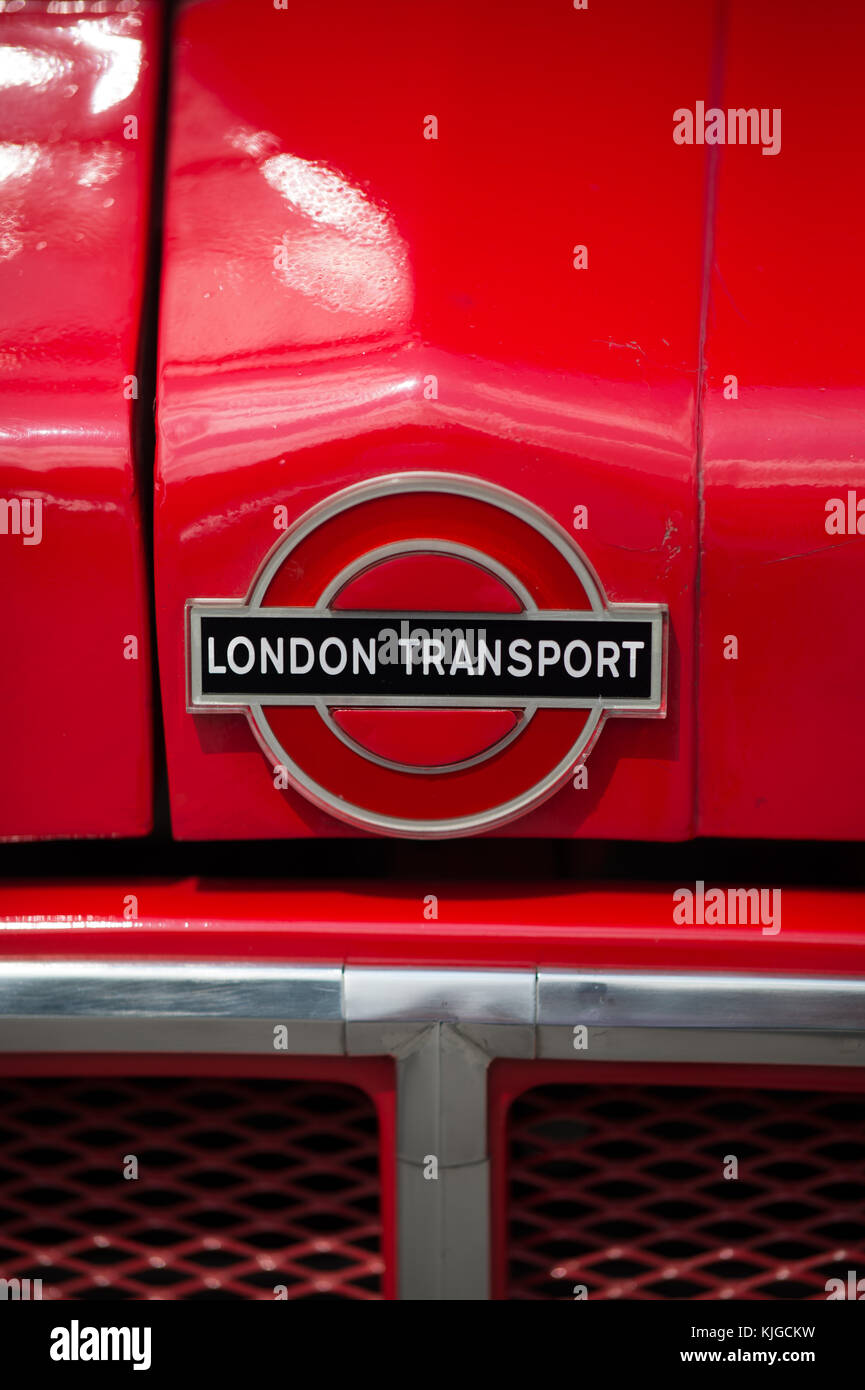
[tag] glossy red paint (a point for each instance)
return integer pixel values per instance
(782, 737)
(74, 707)
(345, 298)
(362, 923)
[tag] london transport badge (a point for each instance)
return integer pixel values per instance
(426, 654)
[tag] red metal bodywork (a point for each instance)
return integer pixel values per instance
(324, 260)
(450, 257)
(411, 257)
(782, 739)
(77, 112)
(367, 923)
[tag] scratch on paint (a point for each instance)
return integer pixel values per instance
(672, 551)
(803, 554)
(634, 347)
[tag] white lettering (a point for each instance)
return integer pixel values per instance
(358, 655)
(586, 663)
(610, 660)
(487, 658)
(275, 657)
(632, 648)
(232, 648)
(409, 644)
(431, 658)
(462, 659)
(548, 654)
(342, 657)
(211, 659)
(519, 650)
(294, 665)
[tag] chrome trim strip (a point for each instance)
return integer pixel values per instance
(624, 999)
(439, 996)
(108, 989)
(393, 997)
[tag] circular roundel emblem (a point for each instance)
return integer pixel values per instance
(427, 655)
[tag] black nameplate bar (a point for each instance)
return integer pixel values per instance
(296, 656)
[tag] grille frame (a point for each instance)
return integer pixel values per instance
(373, 1077)
(509, 1081)
(442, 1027)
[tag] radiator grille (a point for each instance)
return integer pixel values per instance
(243, 1185)
(621, 1189)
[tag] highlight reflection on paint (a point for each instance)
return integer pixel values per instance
(342, 249)
(115, 58)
